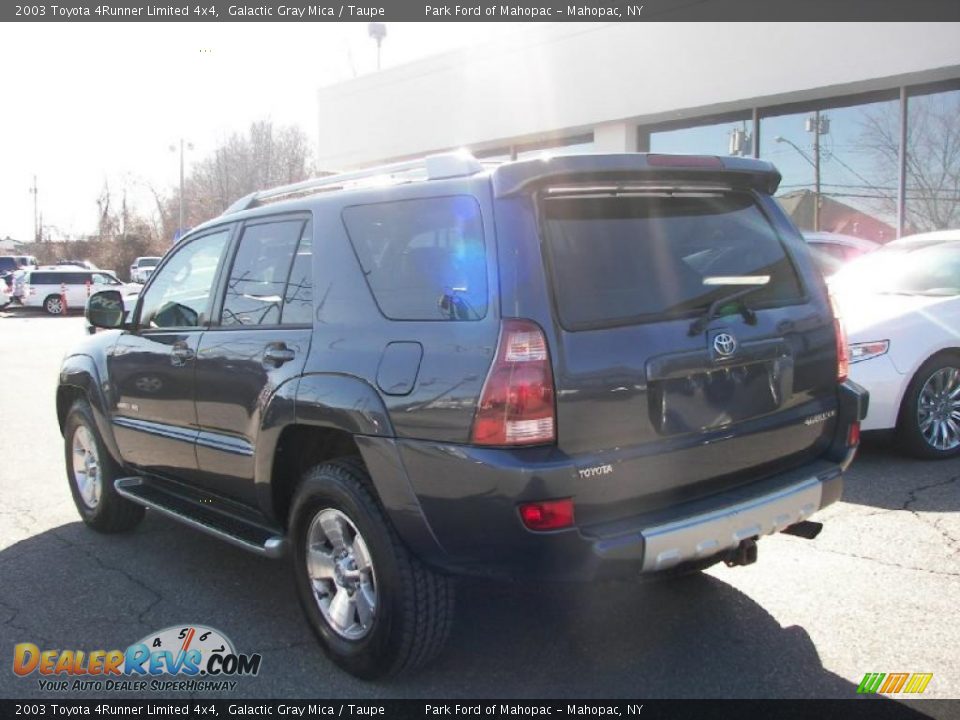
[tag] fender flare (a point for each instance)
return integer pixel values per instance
(80, 372)
(347, 403)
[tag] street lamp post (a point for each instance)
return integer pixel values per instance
(378, 31)
(816, 173)
(36, 223)
(173, 148)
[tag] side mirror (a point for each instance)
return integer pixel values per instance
(105, 309)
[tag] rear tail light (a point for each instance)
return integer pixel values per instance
(853, 435)
(516, 405)
(548, 515)
(843, 351)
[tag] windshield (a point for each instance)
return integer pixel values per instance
(630, 259)
(930, 270)
(149, 262)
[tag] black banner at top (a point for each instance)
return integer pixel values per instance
(734, 11)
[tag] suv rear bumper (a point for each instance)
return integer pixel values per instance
(476, 528)
(456, 506)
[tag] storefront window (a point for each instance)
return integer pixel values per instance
(734, 137)
(839, 167)
(933, 161)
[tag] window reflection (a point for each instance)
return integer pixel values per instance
(933, 161)
(837, 175)
(734, 137)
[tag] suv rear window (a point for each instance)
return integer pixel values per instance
(631, 259)
(423, 259)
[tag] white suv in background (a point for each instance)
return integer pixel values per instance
(50, 288)
(143, 268)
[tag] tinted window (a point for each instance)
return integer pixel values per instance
(423, 259)
(8, 263)
(104, 279)
(258, 277)
(298, 299)
(618, 260)
(148, 262)
(180, 291)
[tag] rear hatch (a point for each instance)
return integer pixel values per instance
(693, 349)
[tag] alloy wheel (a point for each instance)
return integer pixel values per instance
(86, 467)
(341, 574)
(938, 409)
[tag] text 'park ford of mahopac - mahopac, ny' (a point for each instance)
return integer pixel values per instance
(594, 11)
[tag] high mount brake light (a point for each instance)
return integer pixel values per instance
(517, 402)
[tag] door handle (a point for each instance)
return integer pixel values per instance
(180, 354)
(277, 354)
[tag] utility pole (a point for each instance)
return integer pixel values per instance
(819, 125)
(816, 171)
(36, 221)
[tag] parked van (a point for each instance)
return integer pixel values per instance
(56, 291)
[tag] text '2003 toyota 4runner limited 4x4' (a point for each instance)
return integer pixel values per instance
(587, 367)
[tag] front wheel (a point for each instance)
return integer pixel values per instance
(376, 610)
(54, 305)
(91, 472)
(929, 425)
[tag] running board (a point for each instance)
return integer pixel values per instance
(235, 530)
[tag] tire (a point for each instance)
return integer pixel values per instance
(412, 606)
(53, 305)
(936, 379)
(92, 486)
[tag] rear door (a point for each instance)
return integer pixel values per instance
(260, 342)
(643, 376)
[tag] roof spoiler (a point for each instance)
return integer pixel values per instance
(518, 177)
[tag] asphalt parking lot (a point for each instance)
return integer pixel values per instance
(878, 591)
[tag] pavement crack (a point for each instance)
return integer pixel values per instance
(157, 595)
(886, 563)
(913, 497)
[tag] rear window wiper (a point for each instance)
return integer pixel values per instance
(753, 283)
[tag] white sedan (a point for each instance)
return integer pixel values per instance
(901, 309)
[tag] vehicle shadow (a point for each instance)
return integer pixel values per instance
(696, 637)
(884, 477)
(19, 311)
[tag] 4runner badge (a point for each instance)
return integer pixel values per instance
(819, 417)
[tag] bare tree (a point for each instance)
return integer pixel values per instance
(265, 156)
(933, 157)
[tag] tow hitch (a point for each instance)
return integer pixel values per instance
(743, 554)
(805, 529)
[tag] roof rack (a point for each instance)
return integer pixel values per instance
(434, 167)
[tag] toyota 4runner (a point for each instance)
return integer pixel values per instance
(581, 368)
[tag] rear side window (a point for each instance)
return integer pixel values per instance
(423, 259)
(8, 263)
(298, 297)
(258, 277)
(632, 259)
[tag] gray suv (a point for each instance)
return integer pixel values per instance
(589, 367)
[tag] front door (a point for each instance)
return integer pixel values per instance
(153, 367)
(260, 342)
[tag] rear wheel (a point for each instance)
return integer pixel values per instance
(91, 472)
(376, 610)
(54, 305)
(929, 425)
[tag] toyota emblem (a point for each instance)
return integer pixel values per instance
(724, 344)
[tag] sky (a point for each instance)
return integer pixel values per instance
(86, 104)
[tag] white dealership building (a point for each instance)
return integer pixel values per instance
(855, 115)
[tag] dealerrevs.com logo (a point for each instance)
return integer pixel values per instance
(185, 658)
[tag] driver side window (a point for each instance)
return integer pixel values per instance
(180, 292)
